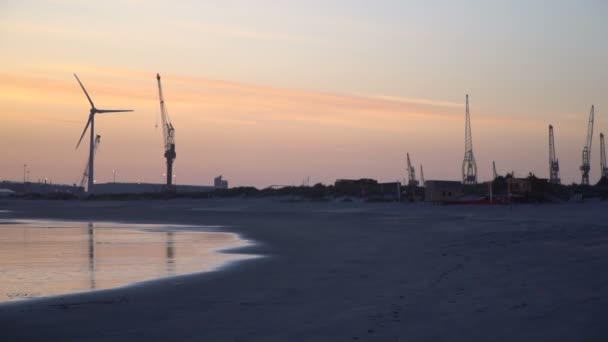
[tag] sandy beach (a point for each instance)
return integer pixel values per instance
(346, 272)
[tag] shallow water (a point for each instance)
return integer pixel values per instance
(43, 258)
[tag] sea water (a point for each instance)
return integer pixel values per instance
(44, 258)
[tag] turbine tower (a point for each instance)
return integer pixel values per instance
(494, 169)
(421, 175)
(585, 167)
(411, 173)
(91, 122)
(469, 167)
(603, 157)
(85, 173)
(553, 161)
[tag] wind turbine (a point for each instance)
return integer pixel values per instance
(91, 122)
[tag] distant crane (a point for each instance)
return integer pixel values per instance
(411, 173)
(421, 176)
(603, 157)
(168, 136)
(85, 174)
(494, 168)
(585, 167)
(553, 161)
(469, 167)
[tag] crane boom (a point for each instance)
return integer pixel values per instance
(168, 136)
(585, 167)
(85, 174)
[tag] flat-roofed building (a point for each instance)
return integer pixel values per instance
(442, 191)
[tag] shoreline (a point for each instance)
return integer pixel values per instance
(349, 271)
(145, 228)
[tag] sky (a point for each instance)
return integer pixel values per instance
(270, 93)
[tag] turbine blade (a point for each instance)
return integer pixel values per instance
(85, 91)
(85, 130)
(101, 111)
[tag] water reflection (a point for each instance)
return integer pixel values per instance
(170, 254)
(91, 231)
(40, 258)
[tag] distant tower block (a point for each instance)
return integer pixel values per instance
(469, 167)
(220, 183)
(553, 161)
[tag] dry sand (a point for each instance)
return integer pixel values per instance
(348, 272)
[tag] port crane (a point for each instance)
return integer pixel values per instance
(553, 161)
(85, 174)
(603, 157)
(411, 173)
(585, 167)
(469, 166)
(168, 136)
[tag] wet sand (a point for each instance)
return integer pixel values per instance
(347, 272)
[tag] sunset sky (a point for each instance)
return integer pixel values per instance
(270, 92)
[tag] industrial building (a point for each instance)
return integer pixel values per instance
(442, 191)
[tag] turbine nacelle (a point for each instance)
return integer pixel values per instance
(94, 111)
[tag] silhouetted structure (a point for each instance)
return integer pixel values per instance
(585, 167)
(411, 173)
(442, 191)
(553, 161)
(220, 183)
(469, 166)
(91, 122)
(168, 136)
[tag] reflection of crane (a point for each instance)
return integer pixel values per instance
(91, 233)
(168, 135)
(85, 174)
(585, 167)
(411, 173)
(603, 157)
(170, 253)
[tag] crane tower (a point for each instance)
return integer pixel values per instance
(469, 167)
(411, 173)
(603, 157)
(168, 136)
(585, 167)
(553, 161)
